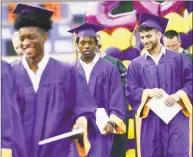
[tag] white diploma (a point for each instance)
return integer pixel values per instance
(166, 113)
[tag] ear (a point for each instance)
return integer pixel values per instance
(45, 37)
(159, 34)
(180, 41)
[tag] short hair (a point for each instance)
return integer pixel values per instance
(145, 28)
(32, 19)
(170, 34)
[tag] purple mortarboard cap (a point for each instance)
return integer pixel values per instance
(25, 8)
(154, 21)
(86, 29)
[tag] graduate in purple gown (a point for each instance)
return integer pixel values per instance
(159, 68)
(104, 82)
(49, 93)
(12, 131)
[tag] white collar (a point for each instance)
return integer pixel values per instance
(163, 51)
(94, 61)
(41, 65)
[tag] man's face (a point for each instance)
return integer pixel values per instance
(19, 50)
(87, 46)
(32, 40)
(149, 39)
(18, 46)
(172, 44)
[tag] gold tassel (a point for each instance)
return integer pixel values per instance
(134, 31)
(75, 50)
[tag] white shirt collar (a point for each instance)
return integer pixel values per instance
(41, 65)
(36, 77)
(163, 51)
(94, 61)
(88, 67)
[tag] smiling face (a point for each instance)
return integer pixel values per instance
(87, 47)
(150, 39)
(32, 40)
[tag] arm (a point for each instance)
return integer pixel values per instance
(11, 131)
(116, 101)
(185, 93)
(7, 91)
(136, 95)
(84, 110)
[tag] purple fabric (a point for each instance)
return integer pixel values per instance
(24, 8)
(189, 6)
(86, 29)
(154, 21)
(54, 108)
(128, 54)
(12, 131)
(106, 88)
(186, 39)
(173, 73)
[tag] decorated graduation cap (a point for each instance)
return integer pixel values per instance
(86, 29)
(25, 8)
(30, 15)
(153, 21)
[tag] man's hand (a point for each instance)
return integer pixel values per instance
(108, 129)
(172, 99)
(78, 137)
(155, 93)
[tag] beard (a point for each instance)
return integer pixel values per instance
(151, 45)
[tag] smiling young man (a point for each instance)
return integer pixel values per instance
(104, 82)
(157, 69)
(49, 92)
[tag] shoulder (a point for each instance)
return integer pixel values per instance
(59, 65)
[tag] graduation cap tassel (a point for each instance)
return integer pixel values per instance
(75, 50)
(134, 31)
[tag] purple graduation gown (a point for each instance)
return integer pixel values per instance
(174, 72)
(106, 88)
(53, 109)
(12, 131)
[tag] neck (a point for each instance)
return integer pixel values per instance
(33, 62)
(155, 52)
(87, 60)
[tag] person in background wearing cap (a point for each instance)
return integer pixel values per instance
(49, 92)
(120, 140)
(17, 45)
(104, 82)
(13, 143)
(147, 74)
(172, 42)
